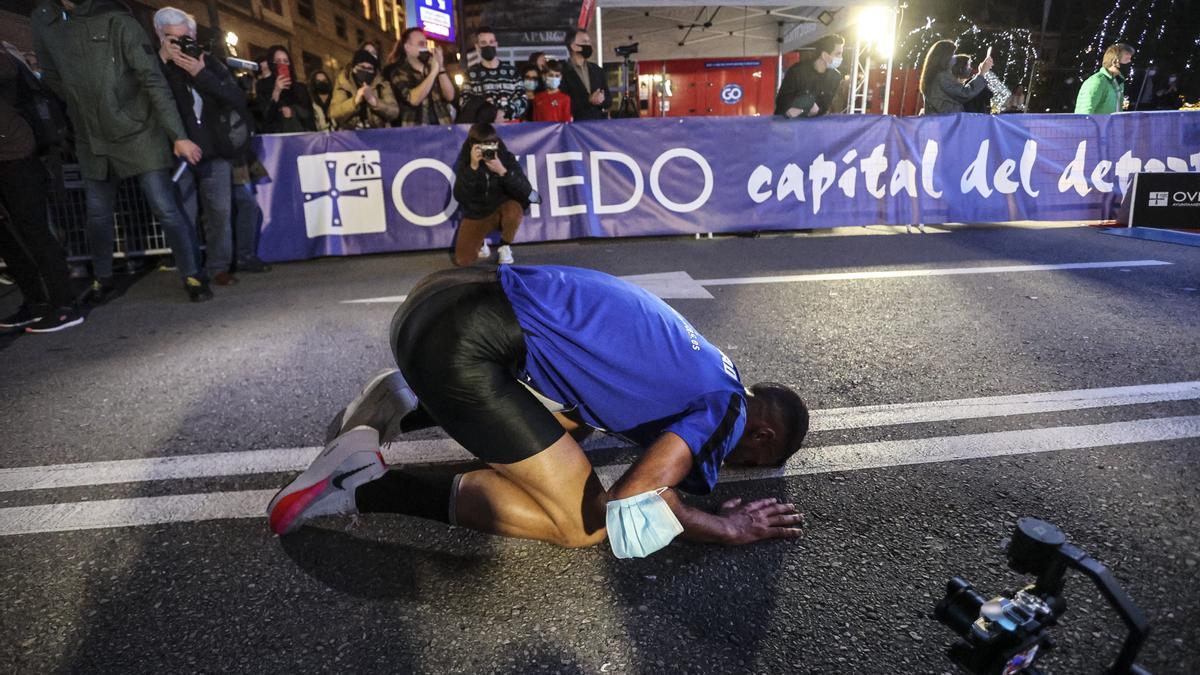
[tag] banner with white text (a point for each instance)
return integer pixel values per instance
(356, 192)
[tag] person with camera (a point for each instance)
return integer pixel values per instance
(493, 193)
(584, 81)
(216, 116)
(809, 87)
(32, 254)
(962, 69)
(126, 124)
(284, 106)
(419, 81)
(362, 99)
(944, 79)
(492, 92)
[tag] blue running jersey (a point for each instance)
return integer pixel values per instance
(627, 362)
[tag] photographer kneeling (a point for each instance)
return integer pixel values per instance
(493, 192)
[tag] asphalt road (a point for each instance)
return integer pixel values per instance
(267, 363)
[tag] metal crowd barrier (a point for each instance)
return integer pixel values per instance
(137, 230)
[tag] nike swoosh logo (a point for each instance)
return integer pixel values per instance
(337, 480)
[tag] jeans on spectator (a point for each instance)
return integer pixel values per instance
(215, 178)
(245, 221)
(35, 258)
(160, 194)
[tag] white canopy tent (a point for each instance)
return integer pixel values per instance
(673, 29)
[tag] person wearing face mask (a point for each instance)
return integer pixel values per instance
(284, 104)
(492, 88)
(362, 99)
(322, 95)
(518, 364)
(944, 79)
(1104, 91)
(419, 81)
(531, 78)
(809, 86)
(552, 105)
(584, 81)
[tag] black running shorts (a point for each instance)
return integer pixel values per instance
(457, 341)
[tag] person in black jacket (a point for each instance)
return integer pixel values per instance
(493, 193)
(284, 104)
(809, 87)
(584, 81)
(34, 257)
(217, 118)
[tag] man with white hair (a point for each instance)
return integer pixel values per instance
(215, 113)
(96, 57)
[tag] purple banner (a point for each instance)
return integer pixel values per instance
(348, 193)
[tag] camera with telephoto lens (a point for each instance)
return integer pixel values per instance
(489, 150)
(626, 51)
(1009, 633)
(188, 45)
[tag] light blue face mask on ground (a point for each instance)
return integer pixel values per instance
(641, 524)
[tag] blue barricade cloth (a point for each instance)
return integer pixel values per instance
(350, 193)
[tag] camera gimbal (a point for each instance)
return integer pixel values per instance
(1007, 634)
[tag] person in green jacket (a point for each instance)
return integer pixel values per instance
(1104, 92)
(98, 59)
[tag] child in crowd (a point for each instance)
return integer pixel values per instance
(552, 105)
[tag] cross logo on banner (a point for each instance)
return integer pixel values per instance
(343, 193)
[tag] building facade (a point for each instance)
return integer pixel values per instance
(320, 34)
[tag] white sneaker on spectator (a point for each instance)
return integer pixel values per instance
(504, 254)
(485, 251)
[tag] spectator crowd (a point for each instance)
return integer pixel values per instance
(164, 112)
(173, 117)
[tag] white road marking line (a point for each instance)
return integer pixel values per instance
(1000, 406)
(681, 285)
(134, 512)
(437, 451)
(670, 285)
(881, 454)
(209, 465)
(936, 272)
(389, 299)
(252, 503)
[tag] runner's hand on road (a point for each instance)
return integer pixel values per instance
(761, 519)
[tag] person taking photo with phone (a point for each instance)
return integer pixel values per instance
(945, 89)
(284, 103)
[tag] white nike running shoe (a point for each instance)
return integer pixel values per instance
(485, 251)
(381, 405)
(327, 487)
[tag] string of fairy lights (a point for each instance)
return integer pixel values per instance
(1162, 32)
(1013, 49)
(1151, 21)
